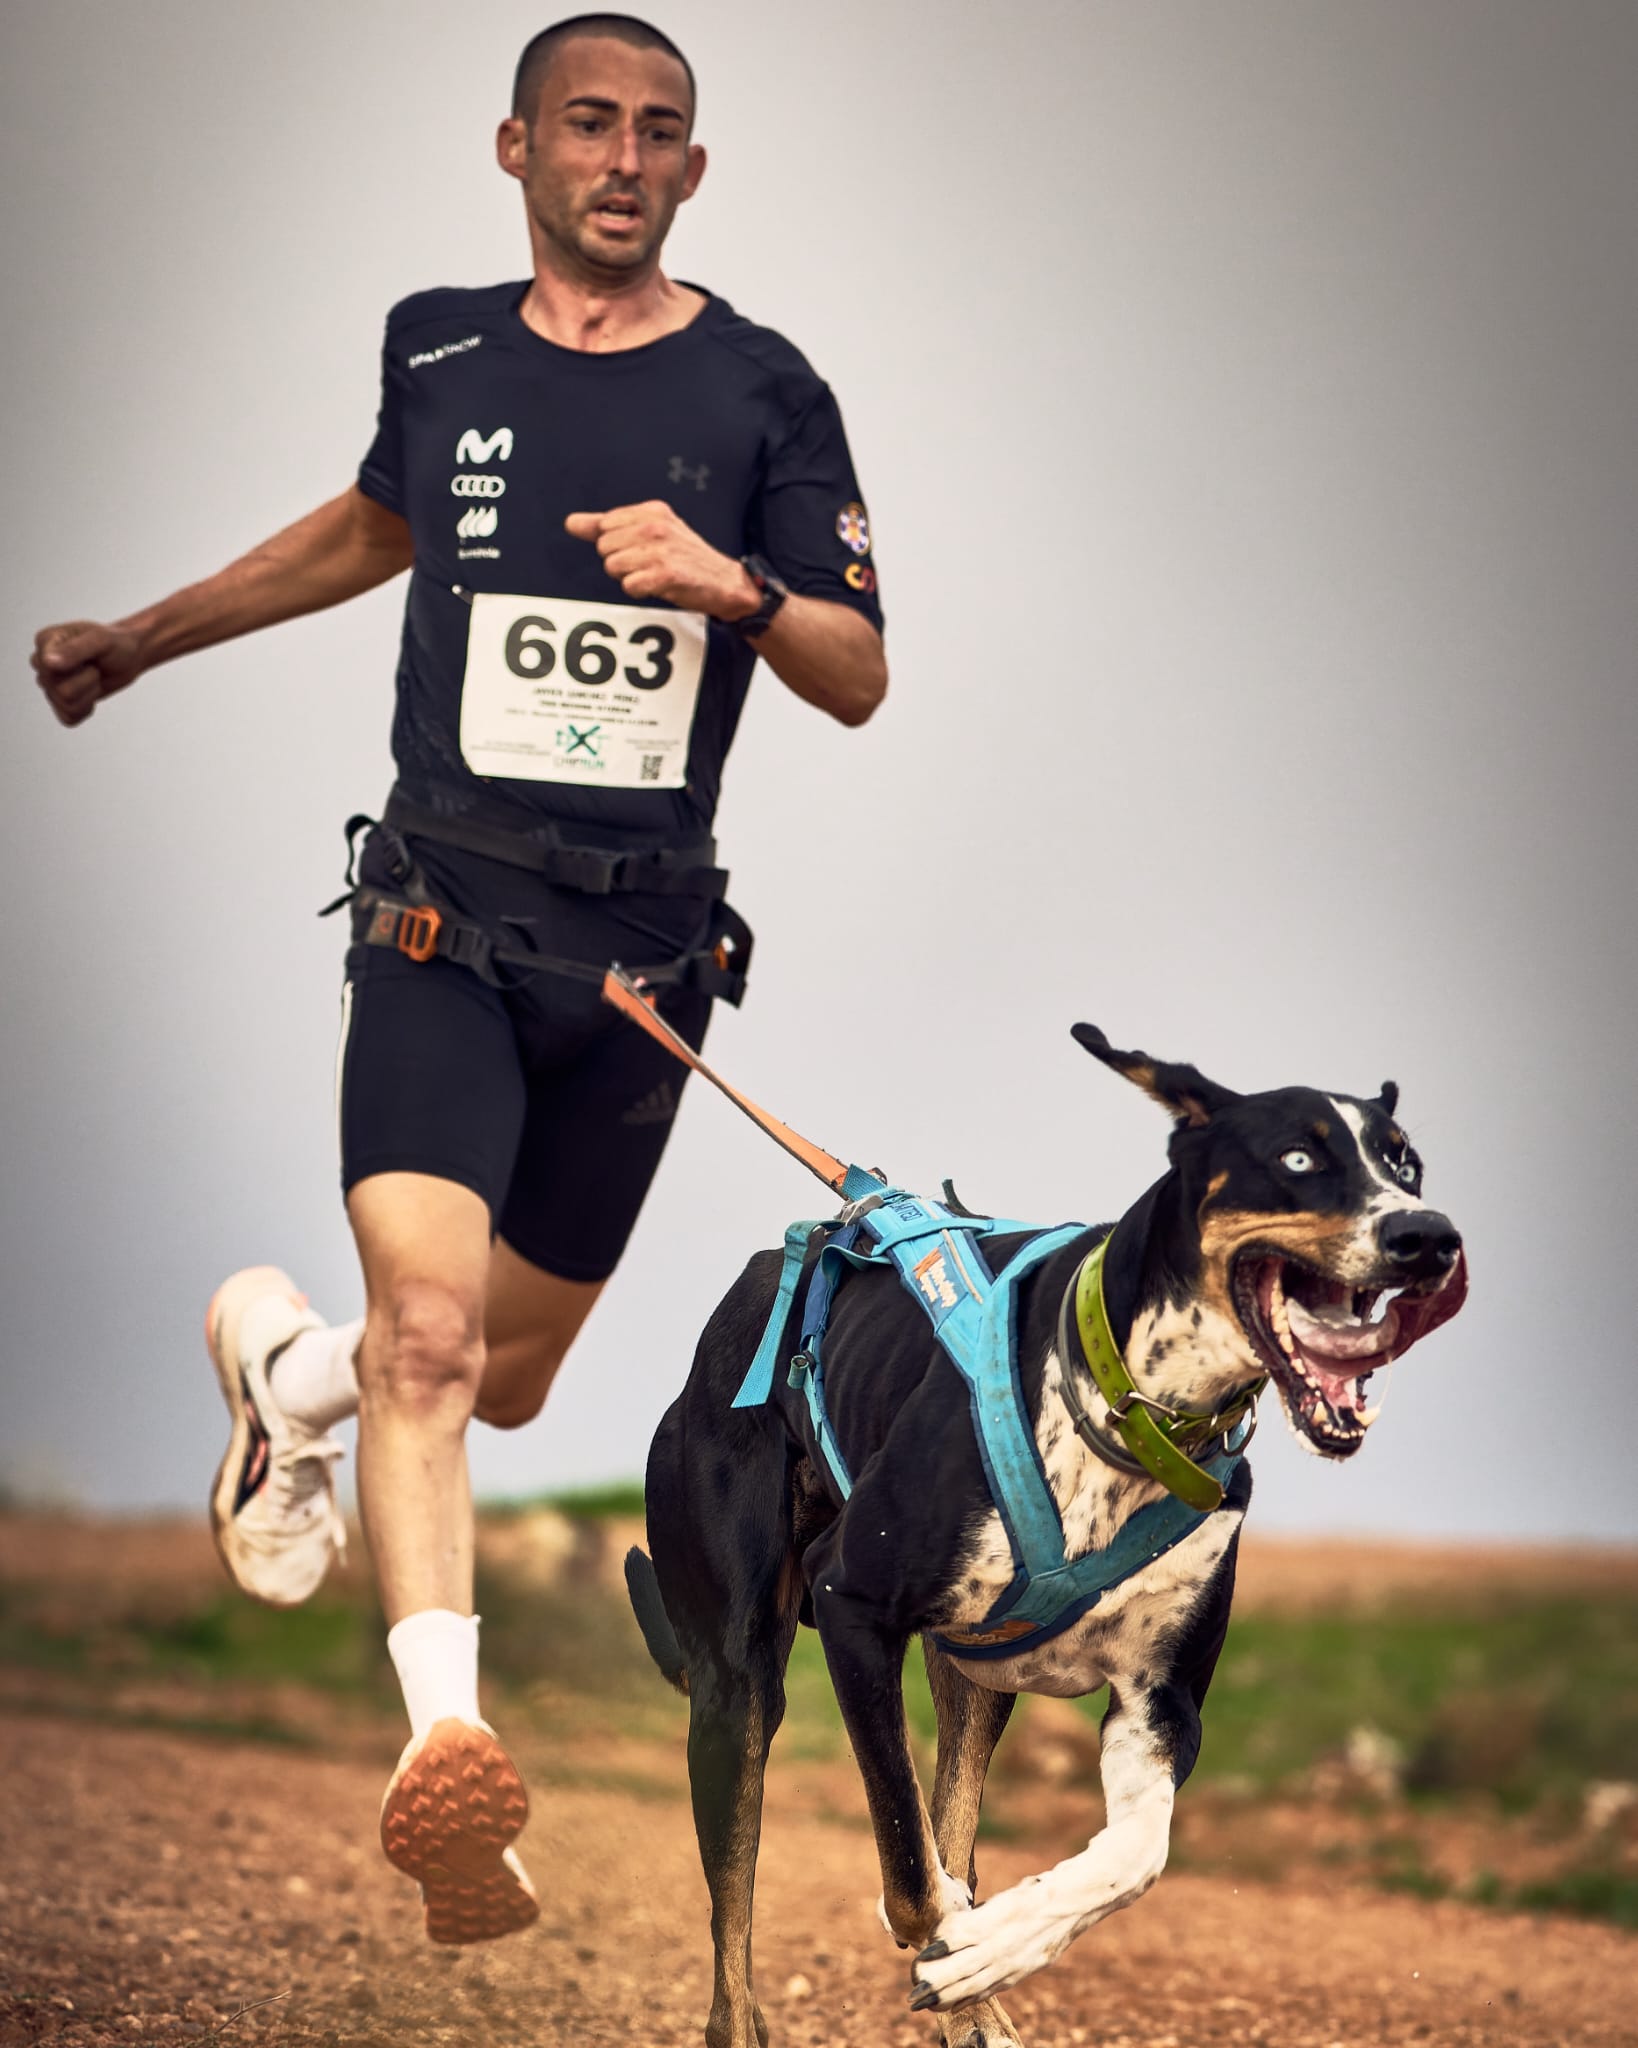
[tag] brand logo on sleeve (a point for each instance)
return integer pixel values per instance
(450, 348)
(853, 528)
(683, 472)
(476, 447)
(474, 484)
(477, 522)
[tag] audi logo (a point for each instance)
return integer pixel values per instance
(478, 486)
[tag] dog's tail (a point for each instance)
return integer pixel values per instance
(643, 1585)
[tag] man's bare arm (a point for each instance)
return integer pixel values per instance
(346, 547)
(828, 654)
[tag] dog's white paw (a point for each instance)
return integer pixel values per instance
(953, 1897)
(991, 1946)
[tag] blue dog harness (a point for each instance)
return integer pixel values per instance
(938, 1255)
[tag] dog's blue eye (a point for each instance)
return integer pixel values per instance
(1297, 1160)
(1405, 1173)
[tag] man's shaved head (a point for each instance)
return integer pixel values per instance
(540, 50)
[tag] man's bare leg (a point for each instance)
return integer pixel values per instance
(456, 1802)
(530, 1319)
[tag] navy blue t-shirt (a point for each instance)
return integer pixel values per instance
(529, 685)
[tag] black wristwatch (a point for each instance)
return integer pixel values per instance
(771, 589)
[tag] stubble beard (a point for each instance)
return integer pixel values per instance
(584, 255)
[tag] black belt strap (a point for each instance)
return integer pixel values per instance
(424, 930)
(598, 871)
(413, 922)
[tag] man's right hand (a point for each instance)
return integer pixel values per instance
(81, 663)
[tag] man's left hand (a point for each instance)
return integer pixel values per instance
(651, 552)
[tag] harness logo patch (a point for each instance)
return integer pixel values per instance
(476, 447)
(469, 484)
(853, 528)
(933, 1278)
(681, 472)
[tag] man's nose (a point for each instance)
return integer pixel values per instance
(627, 158)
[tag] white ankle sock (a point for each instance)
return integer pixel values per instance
(315, 1377)
(436, 1657)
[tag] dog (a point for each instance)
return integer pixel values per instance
(1288, 1243)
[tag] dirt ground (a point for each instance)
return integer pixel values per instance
(158, 1885)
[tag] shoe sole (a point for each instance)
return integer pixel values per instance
(222, 1319)
(449, 1819)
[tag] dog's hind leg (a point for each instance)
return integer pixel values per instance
(731, 1591)
(970, 1721)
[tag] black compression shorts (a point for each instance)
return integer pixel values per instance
(545, 1102)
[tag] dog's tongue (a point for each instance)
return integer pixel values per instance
(1333, 1335)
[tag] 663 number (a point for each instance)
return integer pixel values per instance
(588, 656)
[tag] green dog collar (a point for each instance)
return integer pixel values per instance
(1152, 1432)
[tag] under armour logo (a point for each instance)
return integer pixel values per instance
(681, 472)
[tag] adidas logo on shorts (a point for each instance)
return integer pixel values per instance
(658, 1106)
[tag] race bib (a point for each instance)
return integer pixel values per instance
(557, 690)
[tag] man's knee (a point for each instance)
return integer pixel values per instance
(423, 1347)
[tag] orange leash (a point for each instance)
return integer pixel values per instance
(632, 1000)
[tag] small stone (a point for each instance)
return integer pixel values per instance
(297, 1886)
(798, 1986)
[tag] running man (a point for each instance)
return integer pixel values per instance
(612, 492)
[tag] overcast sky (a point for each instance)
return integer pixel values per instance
(1246, 397)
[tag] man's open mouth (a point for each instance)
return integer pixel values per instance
(1321, 1340)
(618, 211)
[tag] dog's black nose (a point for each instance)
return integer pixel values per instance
(1421, 1242)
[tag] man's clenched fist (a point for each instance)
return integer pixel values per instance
(81, 663)
(651, 552)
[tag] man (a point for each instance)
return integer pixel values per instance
(613, 493)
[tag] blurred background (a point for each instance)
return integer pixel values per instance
(1247, 403)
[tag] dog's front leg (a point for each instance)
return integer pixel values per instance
(866, 1660)
(1022, 1929)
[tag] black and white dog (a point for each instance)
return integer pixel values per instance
(1288, 1239)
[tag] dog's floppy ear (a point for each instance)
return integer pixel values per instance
(1183, 1090)
(1389, 1097)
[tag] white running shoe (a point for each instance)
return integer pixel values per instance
(450, 1816)
(273, 1506)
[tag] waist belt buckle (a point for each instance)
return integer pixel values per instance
(412, 927)
(594, 872)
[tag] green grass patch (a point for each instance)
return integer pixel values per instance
(1527, 1703)
(584, 1503)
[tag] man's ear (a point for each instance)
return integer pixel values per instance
(1182, 1090)
(697, 161)
(512, 146)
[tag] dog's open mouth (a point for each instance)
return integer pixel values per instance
(1322, 1339)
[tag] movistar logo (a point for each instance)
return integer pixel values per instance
(476, 447)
